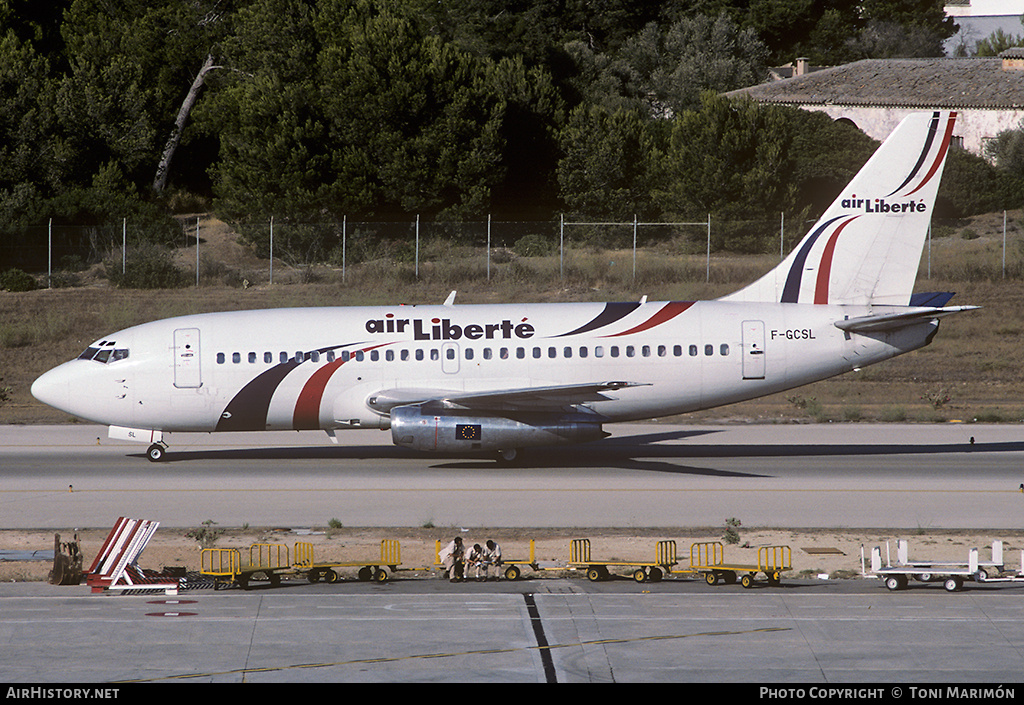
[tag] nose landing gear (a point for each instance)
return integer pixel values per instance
(156, 452)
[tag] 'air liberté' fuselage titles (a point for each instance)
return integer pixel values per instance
(502, 377)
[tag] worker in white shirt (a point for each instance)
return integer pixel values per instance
(492, 559)
(453, 559)
(474, 562)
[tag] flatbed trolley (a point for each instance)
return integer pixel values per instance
(375, 570)
(643, 571)
(226, 567)
(952, 575)
(708, 558)
(512, 567)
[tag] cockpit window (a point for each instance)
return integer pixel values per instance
(104, 354)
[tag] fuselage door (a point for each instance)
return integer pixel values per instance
(753, 350)
(187, 373)
(450, 358)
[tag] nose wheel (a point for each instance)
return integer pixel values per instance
(156, 452)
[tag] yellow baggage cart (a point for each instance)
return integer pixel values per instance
(375, 569)
(708, 559)
(268, 561)
(512, 568)
(642, 571)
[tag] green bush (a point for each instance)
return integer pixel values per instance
(149, 267)
(16, 280)
(533, 246)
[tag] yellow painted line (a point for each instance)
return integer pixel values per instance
(478, 652)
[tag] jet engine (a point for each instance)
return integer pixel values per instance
(421, 427)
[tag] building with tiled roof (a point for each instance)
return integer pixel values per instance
(875, 94)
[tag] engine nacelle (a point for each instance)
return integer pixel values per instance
(419, 428)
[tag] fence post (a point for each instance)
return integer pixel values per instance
(197, 251)
(634, 247)
(417, 245)
(1004, 244)
(49, 254)
(488, 247)
(124, 246)
(271, 249)
(561, 246)
(344, 245)
(709, 249)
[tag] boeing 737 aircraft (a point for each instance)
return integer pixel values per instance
(454, 378)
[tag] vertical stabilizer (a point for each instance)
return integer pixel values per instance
(867, 246)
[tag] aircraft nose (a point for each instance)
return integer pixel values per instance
(53, 388)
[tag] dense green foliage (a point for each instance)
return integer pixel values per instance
(307, 111)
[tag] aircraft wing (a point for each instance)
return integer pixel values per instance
(554, 398)
(894, 321)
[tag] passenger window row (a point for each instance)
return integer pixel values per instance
(520, 353)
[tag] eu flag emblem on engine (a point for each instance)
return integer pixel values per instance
(467, 431)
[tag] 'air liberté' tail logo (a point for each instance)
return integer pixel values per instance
(879, 205)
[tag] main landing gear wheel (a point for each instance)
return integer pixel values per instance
(156, 452)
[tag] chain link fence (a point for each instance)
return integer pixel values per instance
(57, 251)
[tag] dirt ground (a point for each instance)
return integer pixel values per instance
(835, 553)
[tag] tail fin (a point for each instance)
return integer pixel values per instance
(867, 246)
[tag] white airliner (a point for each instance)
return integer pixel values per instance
(454, 378)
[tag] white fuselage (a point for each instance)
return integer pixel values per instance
(323, 368)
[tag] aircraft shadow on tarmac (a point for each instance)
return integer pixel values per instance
(652, 452)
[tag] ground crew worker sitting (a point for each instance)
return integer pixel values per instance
(474, 561)
(452, 558)
(492, 560)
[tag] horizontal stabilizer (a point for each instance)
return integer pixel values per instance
(894, 321)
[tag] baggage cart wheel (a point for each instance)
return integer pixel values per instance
(313, 576)
(747, 580)
(512, 573)
(656, 575)
(729, 576)
(775, 577)
(896, 582)
(953, 584)
(330, 576)
(380, 575)
(594, 573)
(711, 577)
(640, 575)
(981, 576)
(365, 574)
